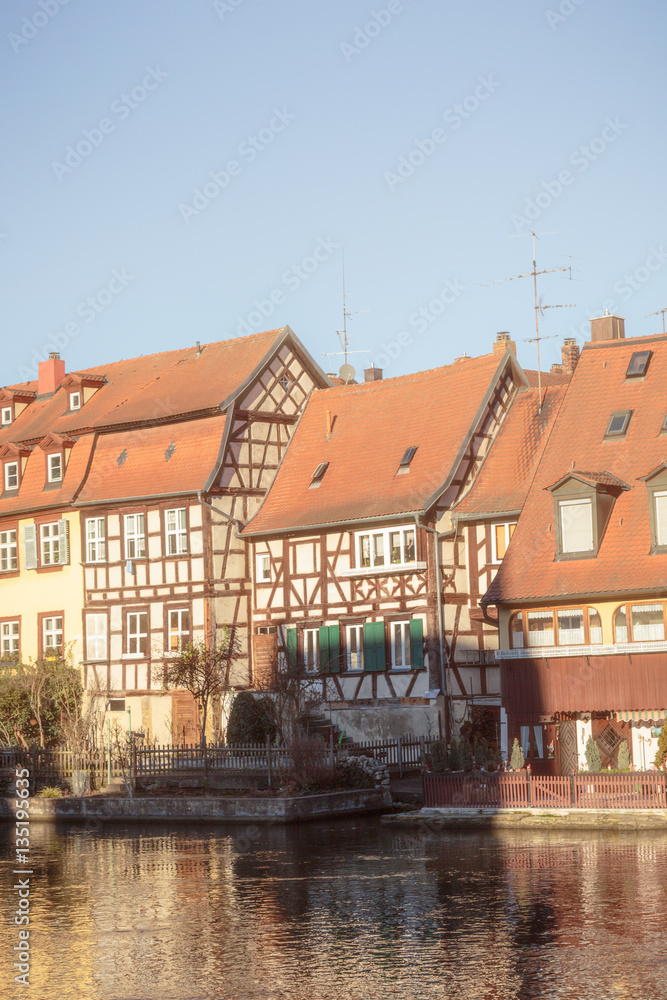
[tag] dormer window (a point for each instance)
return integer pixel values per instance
(618, 424)
(582, 505)
(6, 416)
(638, 364)
(75, 400)
(11, 475)
(656, 483)
(55, 468)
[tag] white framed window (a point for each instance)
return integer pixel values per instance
(11, 475)
(647, 622)
(311, 649)
(55, 467)
(387, 547)
(9, 639)
(75, 400)
(400, 645)
(355, 647)
(8, 551)
(576, 525)
(96, 637)
(6, 415)
(500, 539)
(176, 530)
(179, 629)
(263, 567)
(660, 500)
(96, 547)
(570, 627)
(135, 536)
(52, 634)
(540, 628)
(50, 538)
(137, 633)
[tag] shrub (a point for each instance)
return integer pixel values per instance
(439, 756)
(485, 754)
(249, 720)
(661, 756)
(593, 761)
(465, 755)
(359, 772)
(50, 792)
(517, 760)
(311, 767)
(623, 756)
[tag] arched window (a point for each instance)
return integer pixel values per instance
(621, 626)
(516, 632)
(594, 627)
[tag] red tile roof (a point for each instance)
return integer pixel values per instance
(149, 388)
(623, 564)
(546, 378)
(504, 479)
(374, 423)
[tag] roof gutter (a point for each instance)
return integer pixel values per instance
(342, 525)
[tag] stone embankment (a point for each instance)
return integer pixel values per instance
(426, 820)
(207, 809)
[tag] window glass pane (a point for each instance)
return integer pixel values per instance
(540, 628)
(500, 540)
(594, 626)
(378, 550)
(355, 647)
(517, 632)
(620, 626)
(409, 546)
(395, 546)
(570, 627)
(576, 526)
(647, 622)
(365, 550)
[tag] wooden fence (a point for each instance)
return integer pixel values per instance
(516, 790)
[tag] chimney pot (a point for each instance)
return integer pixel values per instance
(502, 342)
(607, 328)
(569, 353)
(372, 374)
(329, 423)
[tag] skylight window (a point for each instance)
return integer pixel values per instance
(618, 423)
(318, 475)
(638, 364)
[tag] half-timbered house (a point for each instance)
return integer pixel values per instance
(124, 488)
(359, 575)
(581, 594)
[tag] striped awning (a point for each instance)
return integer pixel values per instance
(641, 715)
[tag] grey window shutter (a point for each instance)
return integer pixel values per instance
(30, 546)
(63, 543)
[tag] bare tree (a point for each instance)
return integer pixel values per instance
(291, 696)
(202, 668)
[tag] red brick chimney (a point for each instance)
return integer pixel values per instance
(372, 374)
(50, 374)
(569, 353)
(502, 342)
(608, 328)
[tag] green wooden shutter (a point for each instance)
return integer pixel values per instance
(330, 649)
(417, 643)
(30, 546)
(290, 642)
(374, 651)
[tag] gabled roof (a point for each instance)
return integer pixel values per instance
(590, 479)
(503, 481)
(545, 378)
(153, 388)
(373, 425)
(529, 571)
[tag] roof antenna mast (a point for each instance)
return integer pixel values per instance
(346, 371)
(539, 307)
(659, 312)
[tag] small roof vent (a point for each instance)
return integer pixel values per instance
(170, 451)
(318, 475)
(122, 457)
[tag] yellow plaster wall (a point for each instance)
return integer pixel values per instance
(33, 593)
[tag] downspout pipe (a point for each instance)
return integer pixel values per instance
(441, 635)
(237, 524)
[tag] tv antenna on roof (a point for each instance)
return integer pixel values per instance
(539, 308)
(346, 372)
(659, 312)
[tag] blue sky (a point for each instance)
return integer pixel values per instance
(183, 171)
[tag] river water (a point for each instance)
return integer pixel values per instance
(345, 909)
